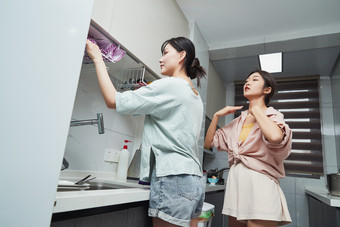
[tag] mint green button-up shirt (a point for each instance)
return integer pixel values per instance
(173, 120)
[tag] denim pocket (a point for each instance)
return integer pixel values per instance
(188, 186)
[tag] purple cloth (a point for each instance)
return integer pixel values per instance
(110, 50)
(143, 182)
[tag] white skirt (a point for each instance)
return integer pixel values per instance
(251, 195)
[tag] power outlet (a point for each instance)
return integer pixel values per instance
(108, 155)
(115, 156)
(111, 155)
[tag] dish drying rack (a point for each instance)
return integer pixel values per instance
(130, 79)
(88, 60)
(125, 79)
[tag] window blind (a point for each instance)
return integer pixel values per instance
(298, 100)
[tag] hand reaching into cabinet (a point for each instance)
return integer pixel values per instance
(93, 51)
(105, 83)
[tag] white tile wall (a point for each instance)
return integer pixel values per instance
(288, 185)
(291, 201)
(85, 148)
(302, 216)
(219, 160)
(294, 190)
(327, 123)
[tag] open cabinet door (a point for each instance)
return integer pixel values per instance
(86, 150)
(42, 47)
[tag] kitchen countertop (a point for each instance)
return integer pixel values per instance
(212, 188)
(83, 199)
(324, 196)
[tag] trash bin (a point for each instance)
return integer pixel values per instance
(207, 214)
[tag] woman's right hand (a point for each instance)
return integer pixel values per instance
(227, 110)
(212, 127)
(93, 51)
(106, 86)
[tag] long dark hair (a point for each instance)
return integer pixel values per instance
(191, 64)
(269, 81)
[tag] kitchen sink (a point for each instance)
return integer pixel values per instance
(92, 186)
(103, 186)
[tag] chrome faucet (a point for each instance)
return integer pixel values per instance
(99, 121)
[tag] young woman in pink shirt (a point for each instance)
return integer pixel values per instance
(257, 142)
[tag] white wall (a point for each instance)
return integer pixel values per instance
(327, 126)
(85, 147)
(216, 100)
(216, 97)
(335, 81)
(142, 26)
(230, 100)
(202, 54)
(36, 101)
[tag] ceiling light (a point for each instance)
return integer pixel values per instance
(271, 63)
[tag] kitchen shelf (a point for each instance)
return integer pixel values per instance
(129, 72)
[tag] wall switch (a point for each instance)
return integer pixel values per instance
(107, 155)
(111, 155)
(115, 156)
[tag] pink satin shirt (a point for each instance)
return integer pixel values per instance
(256, 152)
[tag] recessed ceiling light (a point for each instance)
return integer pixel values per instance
(271, 63)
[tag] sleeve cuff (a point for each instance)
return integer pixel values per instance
(119, 102)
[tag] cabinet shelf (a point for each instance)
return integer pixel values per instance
(129, 72)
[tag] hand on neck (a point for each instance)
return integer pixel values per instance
(257, 104)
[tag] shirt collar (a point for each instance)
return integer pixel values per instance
(269, 111)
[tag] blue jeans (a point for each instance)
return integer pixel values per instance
(176, 198)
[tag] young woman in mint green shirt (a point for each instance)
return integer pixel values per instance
(173, 112)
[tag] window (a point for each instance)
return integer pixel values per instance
(298, 99)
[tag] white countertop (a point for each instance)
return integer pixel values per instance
(212, 188)
(324, 196)
(84, 199)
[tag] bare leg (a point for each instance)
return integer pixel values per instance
(261, 223)
(232, 222)
(157, 222)
(194, 222)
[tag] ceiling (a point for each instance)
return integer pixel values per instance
(306, 31)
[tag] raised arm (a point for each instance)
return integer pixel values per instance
(211, 132)
(212, 127)
(270, 130)
(105, 83)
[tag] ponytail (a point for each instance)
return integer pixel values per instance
(191, 64)
(197, 71)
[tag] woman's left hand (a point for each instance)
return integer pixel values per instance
(270, 130)
(255, 109)
(93, 51)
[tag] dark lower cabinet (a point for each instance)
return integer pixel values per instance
(216, 198)
(322, 215)
(132, 214)
(128, 215)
